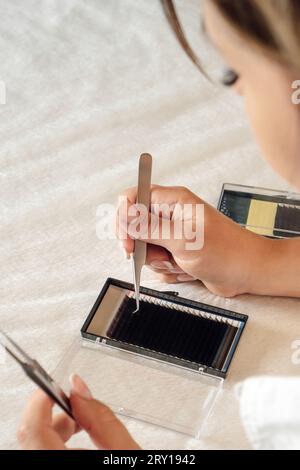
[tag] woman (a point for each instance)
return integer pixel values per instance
(260, 41)
(263, 62)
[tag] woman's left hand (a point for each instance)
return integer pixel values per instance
(39, 430)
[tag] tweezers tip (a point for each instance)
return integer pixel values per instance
(137, 307)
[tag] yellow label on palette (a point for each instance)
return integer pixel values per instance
(261, 217)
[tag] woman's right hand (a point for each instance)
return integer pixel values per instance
(229, 261)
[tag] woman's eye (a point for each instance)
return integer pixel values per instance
(229, 78)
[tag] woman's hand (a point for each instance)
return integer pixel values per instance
(229, 262)
(39, 430)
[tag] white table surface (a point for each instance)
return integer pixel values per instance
(89, 86)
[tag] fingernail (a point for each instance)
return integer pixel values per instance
(176, 271)
(162, 265)
(126, 255)
(185, 278)
(79, 387)
(121, 200)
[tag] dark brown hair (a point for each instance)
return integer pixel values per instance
(274, 25)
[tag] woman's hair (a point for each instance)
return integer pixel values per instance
(273, 25)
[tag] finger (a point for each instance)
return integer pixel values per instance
(161, 261)
(162, 197)
(64, 426)
(155, 230)
(127, 245)
(186, 278)
(104, 428)
(165, 268)
(130, 225)
(175, 278)
(126, 242)
(38, 412)
(157, 253)
(171, 195)
(167, 278)
(168, 196)
(162, 194)
(35, 430)
(98, 420)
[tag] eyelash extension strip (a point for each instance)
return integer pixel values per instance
(167, 328)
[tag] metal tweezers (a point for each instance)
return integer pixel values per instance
(143, 198)
(35, 372)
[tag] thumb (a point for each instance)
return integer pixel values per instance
(98, 420)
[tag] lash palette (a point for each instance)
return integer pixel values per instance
(274, 214)
(166, 328)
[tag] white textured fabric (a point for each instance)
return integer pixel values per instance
(90, 85)
(270, 412)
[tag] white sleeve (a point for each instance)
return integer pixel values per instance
(270, 412)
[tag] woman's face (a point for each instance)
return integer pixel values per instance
(266, 87)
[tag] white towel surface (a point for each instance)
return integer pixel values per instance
(89, 86)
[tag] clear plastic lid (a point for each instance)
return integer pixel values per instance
(142, 388)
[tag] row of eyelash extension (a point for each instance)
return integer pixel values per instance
(283, 205)
(167, 334)
(180, 336)
(182, 308)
